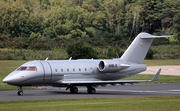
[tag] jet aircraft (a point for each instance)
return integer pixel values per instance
(85, 72)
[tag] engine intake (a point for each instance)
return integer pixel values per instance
(108, 66)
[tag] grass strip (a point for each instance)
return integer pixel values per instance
(163, 103)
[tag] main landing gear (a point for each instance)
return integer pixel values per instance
(91, 90)
(74, 89)
(20, 91)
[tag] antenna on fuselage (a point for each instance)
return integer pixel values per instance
(70, 58)
(46, 59)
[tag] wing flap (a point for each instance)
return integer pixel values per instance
(104, 82)
(155, 78)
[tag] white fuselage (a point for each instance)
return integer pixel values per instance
(56, 71)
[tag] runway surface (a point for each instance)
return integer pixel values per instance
(137, 90)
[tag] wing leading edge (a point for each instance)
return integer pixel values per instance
(155, 78)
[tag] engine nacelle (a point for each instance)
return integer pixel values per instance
(108, 66)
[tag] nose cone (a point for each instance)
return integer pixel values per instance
(6, 80)
(12, 78)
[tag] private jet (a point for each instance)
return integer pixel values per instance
(90, 73)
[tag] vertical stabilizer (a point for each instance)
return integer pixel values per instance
(138, 49)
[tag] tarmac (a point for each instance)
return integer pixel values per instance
(173, 70)
(137, 90)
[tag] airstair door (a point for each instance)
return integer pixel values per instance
(47, 70)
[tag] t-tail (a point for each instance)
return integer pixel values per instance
(138, 49)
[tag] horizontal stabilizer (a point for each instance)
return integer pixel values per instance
(153, 36)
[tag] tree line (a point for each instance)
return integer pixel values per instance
(46, 24)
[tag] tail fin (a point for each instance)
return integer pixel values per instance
(138, 49)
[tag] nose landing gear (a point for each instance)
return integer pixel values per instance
(20, 91)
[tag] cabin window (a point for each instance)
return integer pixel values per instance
(67, 70)
(85, 69)
(55, 70)
(79, 69)
(73, 69)
(61, 70)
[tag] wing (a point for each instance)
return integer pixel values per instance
(155, 78)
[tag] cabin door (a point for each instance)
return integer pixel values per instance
(47, 70)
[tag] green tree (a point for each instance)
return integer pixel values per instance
(11, 17)
(49, 33)
(110, 52)
(79, 51)
(115, 12)
(169, 9)
(149, 54)
(4, 18)
(150, 14)
(176, 26)
(17, 14)
(117, 36)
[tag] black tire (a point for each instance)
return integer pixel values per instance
(74, 89)
(20, 93)
(91, 90)
(71, 90)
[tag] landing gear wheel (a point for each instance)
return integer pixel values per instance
(20, 93)
(91, 90)
(74, 89)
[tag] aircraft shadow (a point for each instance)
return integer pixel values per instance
(101, 93)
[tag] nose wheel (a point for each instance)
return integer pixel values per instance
(20, 91)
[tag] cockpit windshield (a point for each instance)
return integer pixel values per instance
(22, 68)
(29, 68)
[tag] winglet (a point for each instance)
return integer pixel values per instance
(155, 78)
